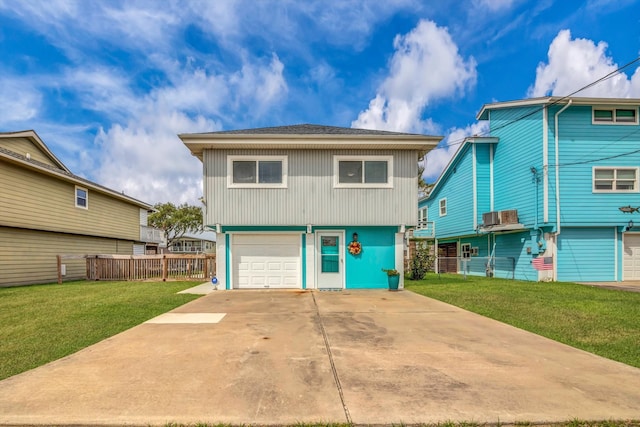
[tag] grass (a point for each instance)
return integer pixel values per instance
(601, 321)
(42, 323)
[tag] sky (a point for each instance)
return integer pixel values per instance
(108, 85)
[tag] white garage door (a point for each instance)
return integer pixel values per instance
(266, 261)
(631, 260)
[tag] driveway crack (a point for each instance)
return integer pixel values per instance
(336, 377)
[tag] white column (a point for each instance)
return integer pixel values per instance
(221, 260)
(311, 261)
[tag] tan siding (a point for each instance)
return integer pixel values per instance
(23, 146)
(28, 256)
(310, 197)
(33, 200)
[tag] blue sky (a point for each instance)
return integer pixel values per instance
(109, 84)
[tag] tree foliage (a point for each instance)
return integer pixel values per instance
(175, 221)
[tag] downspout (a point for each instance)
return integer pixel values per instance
(558, 167)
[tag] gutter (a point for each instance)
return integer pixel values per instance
(558, 167)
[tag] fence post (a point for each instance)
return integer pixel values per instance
(59, 264)
(205, 267)
(96, 275)
(164, 268)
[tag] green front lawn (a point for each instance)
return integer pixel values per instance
(601, 321)
(42, 323)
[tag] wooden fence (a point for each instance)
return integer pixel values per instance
(145, 267)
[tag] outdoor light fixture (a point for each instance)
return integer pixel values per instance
(630, 225)
(355, 237)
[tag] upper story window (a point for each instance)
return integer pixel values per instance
(257, 171)
(442, 204)
(422, 218)
(606, 115)
(363, 171)
(615, 180)
(82, 198)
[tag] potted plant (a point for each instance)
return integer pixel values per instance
(393, 277)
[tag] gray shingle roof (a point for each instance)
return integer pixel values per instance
(306, 129)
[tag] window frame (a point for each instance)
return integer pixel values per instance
(614, 116)
(257, 159)
(442, 203)
(86, 197)
(465, 250)
(615, 170)
(423, 220)
(365, 158)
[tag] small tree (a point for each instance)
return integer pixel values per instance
(175, 221)
(422, 260)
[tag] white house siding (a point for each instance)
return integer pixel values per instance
(310, 197)
(586, 254)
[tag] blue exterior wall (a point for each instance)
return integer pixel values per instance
(519, 149)
(582, 146)
(483, 178)
(364, 271)
(514, 245)
(587, 254)
(459, 194)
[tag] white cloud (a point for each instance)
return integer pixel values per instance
(494, 5)
(575, 63)
(425, 67)
(436, 160)
(20, 101)
(144, 157)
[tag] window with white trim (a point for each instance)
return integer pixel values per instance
(615, 180)
(608, 115)
(82, 198)
(422, 218)
(465, 249)
(363, 171)
(442, 205)
(257, 171)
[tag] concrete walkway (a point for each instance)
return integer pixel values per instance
(370, 357)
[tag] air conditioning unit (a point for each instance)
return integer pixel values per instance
(490, 218)
(509, 217)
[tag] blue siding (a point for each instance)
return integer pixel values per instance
(459, 194)
(514, 245)
(483, 177)
(586, 254)
(583, 146)
(477, 265)
(519, 149)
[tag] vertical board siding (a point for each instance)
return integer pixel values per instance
(519, 149)
(33, 200)
(582, 146)
(28, 257)
(586, 254)
(24, 146)
(310, 197)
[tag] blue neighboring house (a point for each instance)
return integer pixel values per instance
(551, 194)
(308, 206)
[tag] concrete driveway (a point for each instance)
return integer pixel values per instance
(369, 357)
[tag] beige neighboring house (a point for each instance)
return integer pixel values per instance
(45, 210)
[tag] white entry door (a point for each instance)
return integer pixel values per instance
(330, 261)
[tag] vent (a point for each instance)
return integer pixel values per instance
(509, 217)
(490, 218)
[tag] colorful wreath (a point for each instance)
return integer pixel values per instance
(355, 248)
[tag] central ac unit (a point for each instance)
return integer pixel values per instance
(490, 218)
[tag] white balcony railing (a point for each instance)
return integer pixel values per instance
(151, 234)
(425, 230)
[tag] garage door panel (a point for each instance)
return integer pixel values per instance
(631, 257)
(266, 261)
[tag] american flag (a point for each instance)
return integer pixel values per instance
(543, 263)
